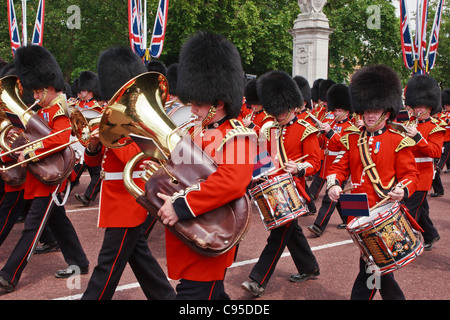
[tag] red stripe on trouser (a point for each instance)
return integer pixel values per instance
(9, 213)
(93, 189)
(212, 289)
(326, 214)
(420, 205)
(34, 240)
(273, 261)
(115, 260)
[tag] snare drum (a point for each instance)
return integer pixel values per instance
(278, 201)
(385, 238)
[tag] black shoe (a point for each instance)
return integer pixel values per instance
(48, 247)
(5, 285)
(253, 287)
(297, 277)
(342, 225)
(315, 229)
(66, 273)
(436, 194)
(427, 246)
(85, 201)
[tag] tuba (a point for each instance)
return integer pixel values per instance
(138, 109)
(58, 163)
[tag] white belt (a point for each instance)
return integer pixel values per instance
(423, 160)
(106, 176)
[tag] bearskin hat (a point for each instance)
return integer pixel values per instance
(250, 93)
(315, 90)
(278, 92)
(37, 68)
(75, 87)
(323, 89)
(88, 81)
(115, 67)
(172, 78)
(376, 87)
(445, 97)
(423, 90)
(305, 89)
(157, 66)
(338, 97)
(210, 70)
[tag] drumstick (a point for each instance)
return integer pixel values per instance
(282, 167)
(348, 189)
(388, 197)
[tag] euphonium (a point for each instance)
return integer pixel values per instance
(53, 166)
(138, 108)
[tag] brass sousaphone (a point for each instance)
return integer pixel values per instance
(51, 167)
(138, 108)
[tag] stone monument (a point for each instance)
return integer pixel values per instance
(311, 35)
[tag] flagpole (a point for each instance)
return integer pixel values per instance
(24, 22)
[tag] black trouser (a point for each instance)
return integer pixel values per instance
(292, 236)
(122, 246)
(201, 290)
(11, 207)
(62, 229)
(325, 212)
(365, 289)
(94, 186)
(418, 207)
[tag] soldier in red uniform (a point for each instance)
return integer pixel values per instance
(90, 96)
(338, 102)
(444, 160)
(280, 96)
(423, 95)
(376, 93)
(38, 71)
(212, 63)
(119, 213)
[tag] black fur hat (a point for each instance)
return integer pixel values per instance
(423, 90)
(157, 66)
(210, 70)
(445, 97)
(251, 96)
(376, 87)
(278, 92)
(315, 89)
(305, 89)
(88, 81)
(37, 68)
(172, 78)
(338, 97)
(323, 88)
(115, 67)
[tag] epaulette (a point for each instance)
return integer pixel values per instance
(352, 128)
(63, 108)
(344, 139)
(406, 142)
(268, 116)
(238, 130)
(309, 128)
(437, 128)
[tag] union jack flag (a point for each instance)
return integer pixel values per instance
(421, 33)
(159, 30)
(38, 33)
(13, 28)
(406, 37)
(434, 40)
(135, 27)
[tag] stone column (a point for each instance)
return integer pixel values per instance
(310, 37)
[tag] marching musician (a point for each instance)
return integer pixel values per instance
(423, 96)
(376, 94)
(211, 79)
(338, 102)
(119, 214)
(38, 71)
(280, 96)
(444, 160)
(89, 95)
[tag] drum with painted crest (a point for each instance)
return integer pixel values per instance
(386, 239)
(278, 201)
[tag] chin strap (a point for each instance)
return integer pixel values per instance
(382, 117)
(198, 128)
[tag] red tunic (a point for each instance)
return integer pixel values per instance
(118, 208)
(229, 182)
(392, 159)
